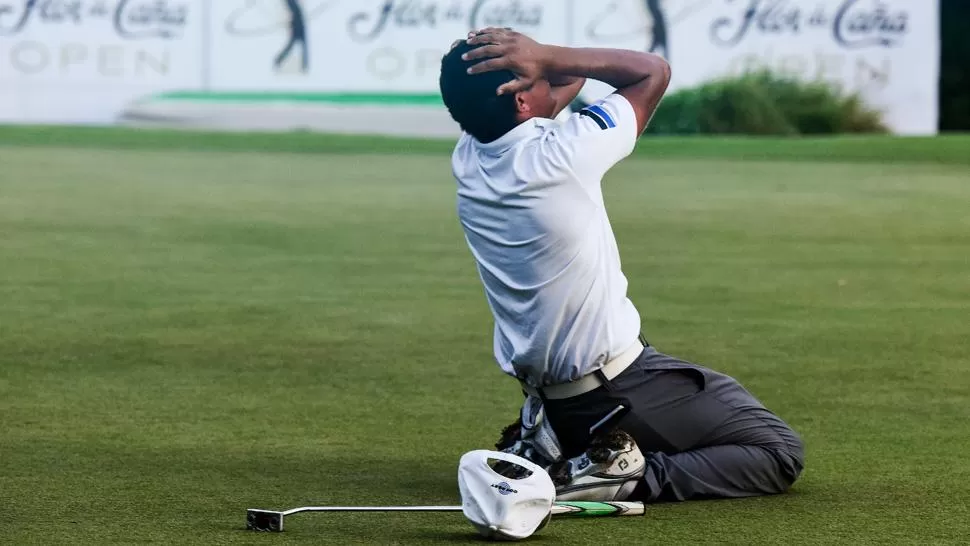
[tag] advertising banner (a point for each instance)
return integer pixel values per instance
(887, 51)
(76, 61)
(83, 61)
(357, 45)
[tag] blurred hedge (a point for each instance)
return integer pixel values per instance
(763, 104)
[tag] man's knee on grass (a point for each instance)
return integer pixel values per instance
(790, 459)
(793, 457)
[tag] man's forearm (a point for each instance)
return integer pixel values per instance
(616, 67)
(562, 80)
(641, 78)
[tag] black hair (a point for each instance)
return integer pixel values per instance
(472, 100)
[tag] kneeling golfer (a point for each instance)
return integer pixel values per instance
(609, 416)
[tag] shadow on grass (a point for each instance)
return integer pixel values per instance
(428, 536)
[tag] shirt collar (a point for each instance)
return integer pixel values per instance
(520, 132)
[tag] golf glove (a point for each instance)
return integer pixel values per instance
(531, 436)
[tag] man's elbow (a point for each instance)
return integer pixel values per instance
(657, 74)
(663, 72)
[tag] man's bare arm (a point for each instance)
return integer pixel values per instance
(642, 78)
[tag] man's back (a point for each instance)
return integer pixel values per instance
(532, 210)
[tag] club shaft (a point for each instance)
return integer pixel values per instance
(588, 509)
(373, 509)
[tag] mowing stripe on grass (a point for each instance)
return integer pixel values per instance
(947, 150)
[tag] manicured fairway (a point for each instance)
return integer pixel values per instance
(185, 334)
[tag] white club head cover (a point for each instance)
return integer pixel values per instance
(503, 508)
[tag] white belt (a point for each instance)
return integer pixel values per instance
(590, 381)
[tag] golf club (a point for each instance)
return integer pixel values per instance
(270, 520)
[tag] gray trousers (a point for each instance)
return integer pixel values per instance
(703, 434)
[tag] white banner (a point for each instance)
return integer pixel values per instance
(82, 61)
(887, 51)
(357, 45)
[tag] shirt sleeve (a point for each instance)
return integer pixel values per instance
(598, 137)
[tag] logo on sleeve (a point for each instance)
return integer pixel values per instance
(598, 114)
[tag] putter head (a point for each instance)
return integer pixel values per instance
(264, 520)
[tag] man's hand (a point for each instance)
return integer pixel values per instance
(531, 435)
(641, 78)
(505, 49)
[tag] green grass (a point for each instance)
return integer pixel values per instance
(186, 334)
(950, 149)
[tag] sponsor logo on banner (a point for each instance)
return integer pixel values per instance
(370, 43)
(848, 43)
(121, 38)
(130, 18)
(134, 48)
(877, 48)
(417, 15)
(853, 24)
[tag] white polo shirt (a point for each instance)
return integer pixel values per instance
(531, 206)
